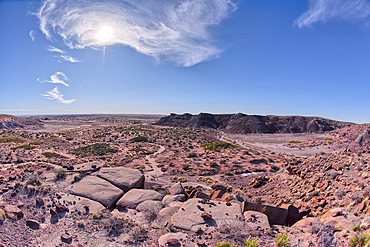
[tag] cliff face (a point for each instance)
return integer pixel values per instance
(244, 124)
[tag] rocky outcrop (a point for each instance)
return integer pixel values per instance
(243, 124)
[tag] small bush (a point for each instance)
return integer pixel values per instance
(217, 146)
(282, 240)
(51, 155)
(251, 243)
(139, 139)
(328, 139)
(97, 148)
(359, 239)
(26, 147)
(60, 173)
(11, 139)
(227, 244)
(295, 142)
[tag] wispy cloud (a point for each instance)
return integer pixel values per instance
(54, 94)
(32, 35)
(176, 30)
(58, 77)
(323, 10)
(63, 55)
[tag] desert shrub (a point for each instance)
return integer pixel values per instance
(251, 243)
(185, 166)
(233, 228)
(60, 173)
(51, 155)
(229, 173)
(192, 155)
(325, 234)
(138, 233)
(295, 142)
(139, 139)
(69, 138)
(76, 177)
(282, 240)
(226, 244)
(35, 143)
(11, 139)
(217, 146)
(151, 212)
(328, 139)
(33, 179)
(97, 148)
(356, 197)
(340, 192)
(26, 147)
(360, 239)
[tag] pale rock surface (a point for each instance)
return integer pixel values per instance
(164, 216)
(123, 178)
(167, 200)
(97, 189)
(343, 221)
(136, 196)
(255, 219)
(189, 215)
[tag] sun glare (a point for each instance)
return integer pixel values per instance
(104, 34)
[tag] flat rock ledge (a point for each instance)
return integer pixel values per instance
(97, 189)
(123, 178)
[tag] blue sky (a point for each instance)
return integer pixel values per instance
(264, 57)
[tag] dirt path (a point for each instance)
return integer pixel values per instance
(156, 171)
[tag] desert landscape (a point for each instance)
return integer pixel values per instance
(146, 181)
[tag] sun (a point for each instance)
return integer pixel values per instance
(104, 34)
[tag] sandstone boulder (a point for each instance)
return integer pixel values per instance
(123, 178)
(176, 189)
(190, 214)
(167, 200)
(308, 223)
(149, 205)
(12, 209)
(340, 218)
(97, 189)
(136, 196)
(256, 220)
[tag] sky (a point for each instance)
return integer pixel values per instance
(265, 57)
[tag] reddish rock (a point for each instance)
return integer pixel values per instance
(276, 216)
(217, 194)
(39, 201)
(219, 187)
(61, 208)
(11, 209)
(53, 213)
(361, 207)
(206, 216)
(172, 241)
(66, 238)
(33, 224)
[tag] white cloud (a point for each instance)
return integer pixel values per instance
(323, 10)
(174, 30)
(63, 55)
(32, 35)
(54, 94)
(54, 49)
(58, 77)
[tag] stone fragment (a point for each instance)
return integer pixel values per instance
(221, 187)
(163, 239)
(53, 213)
(39, 201)
(11, 209)
(149, 205)
(167, 200)
(206, 216)
(136, 196)
(66, 238)
(33, 224)
(176, 189)
(61, 208)
(123, 178)
(216, 195)
(172, 241)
